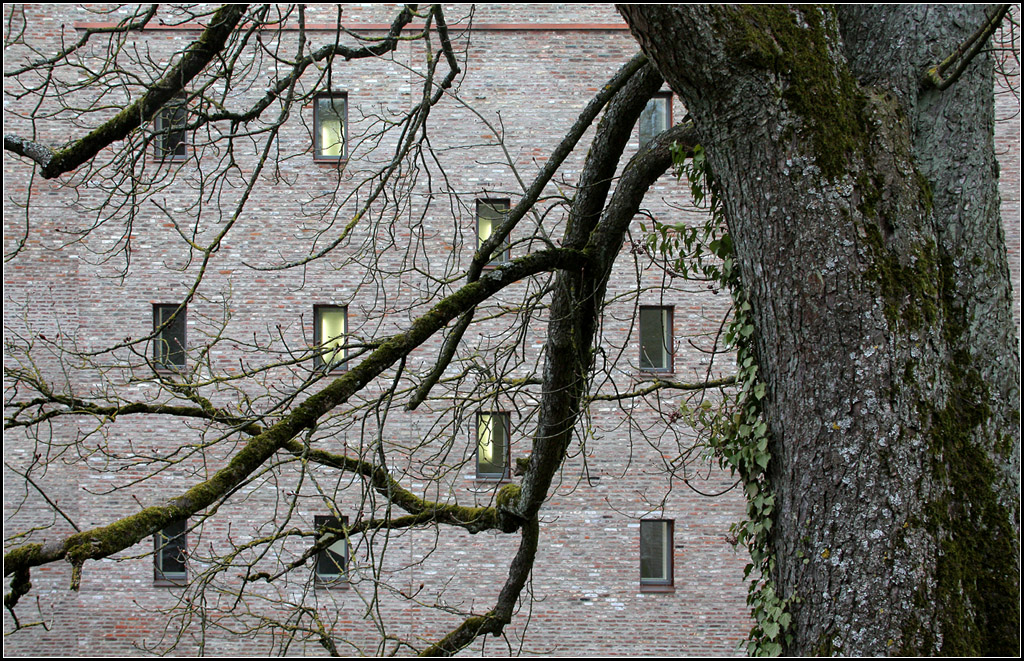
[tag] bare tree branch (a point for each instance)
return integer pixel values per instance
(55, 162)
(135, 24)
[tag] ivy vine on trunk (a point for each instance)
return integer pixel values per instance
(862, 208)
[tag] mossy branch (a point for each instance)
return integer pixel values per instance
(76, 406)
(87, 33)
(282, 85)
(106, 540)
(493, 622)
(529, 199)
(598, 225)
(660, 384)
(55, 162)
(472, 519)
(935, 76)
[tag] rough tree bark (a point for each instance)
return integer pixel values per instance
(864, 212)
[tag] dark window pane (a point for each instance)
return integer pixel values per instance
(655, 118)
(655, 338)
(656, 552)
(170, 129)
(169, 344)
(171, 550)
(332, 561)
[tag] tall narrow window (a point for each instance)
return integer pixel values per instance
(169, 342)
(656, 117)
(656, 339)
(332, 561)
(492, 445)
(656, 553)
(330, 328)
(170, 550)
(329, 127)
(170, 142)
(490, 214)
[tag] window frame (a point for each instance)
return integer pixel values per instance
(502, 253)
(668, 338)
(318, 360)
(506, 426)
(666, 581)
(318, 149)
(321, 521)
(162, 338)
(172, 536)
(171, 124)
(658, 97)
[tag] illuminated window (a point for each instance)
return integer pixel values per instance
(492, 445)
(169, 127)
(330, 327)
(656, 117)
(332, 561)
(490, 214)
(329, 127)
(656, 339)
(170, 550)
(169, 342)
(656, 553)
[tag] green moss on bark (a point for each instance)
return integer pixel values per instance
(794, 45)
(20, 585)
(977, 581)
(825, 646)
(972, 607)
(105, 541)
(911, 282)
(508, 495)
(977, 586)
(473, 627)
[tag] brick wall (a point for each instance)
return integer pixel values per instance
(523, 85)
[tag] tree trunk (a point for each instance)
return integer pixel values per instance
(864, 213)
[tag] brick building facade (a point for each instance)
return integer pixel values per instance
(634, 471)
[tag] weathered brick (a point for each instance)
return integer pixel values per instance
(529, 72)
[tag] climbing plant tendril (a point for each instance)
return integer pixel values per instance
(734, 431)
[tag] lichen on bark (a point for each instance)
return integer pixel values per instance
(875, 331)
(791, 45)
